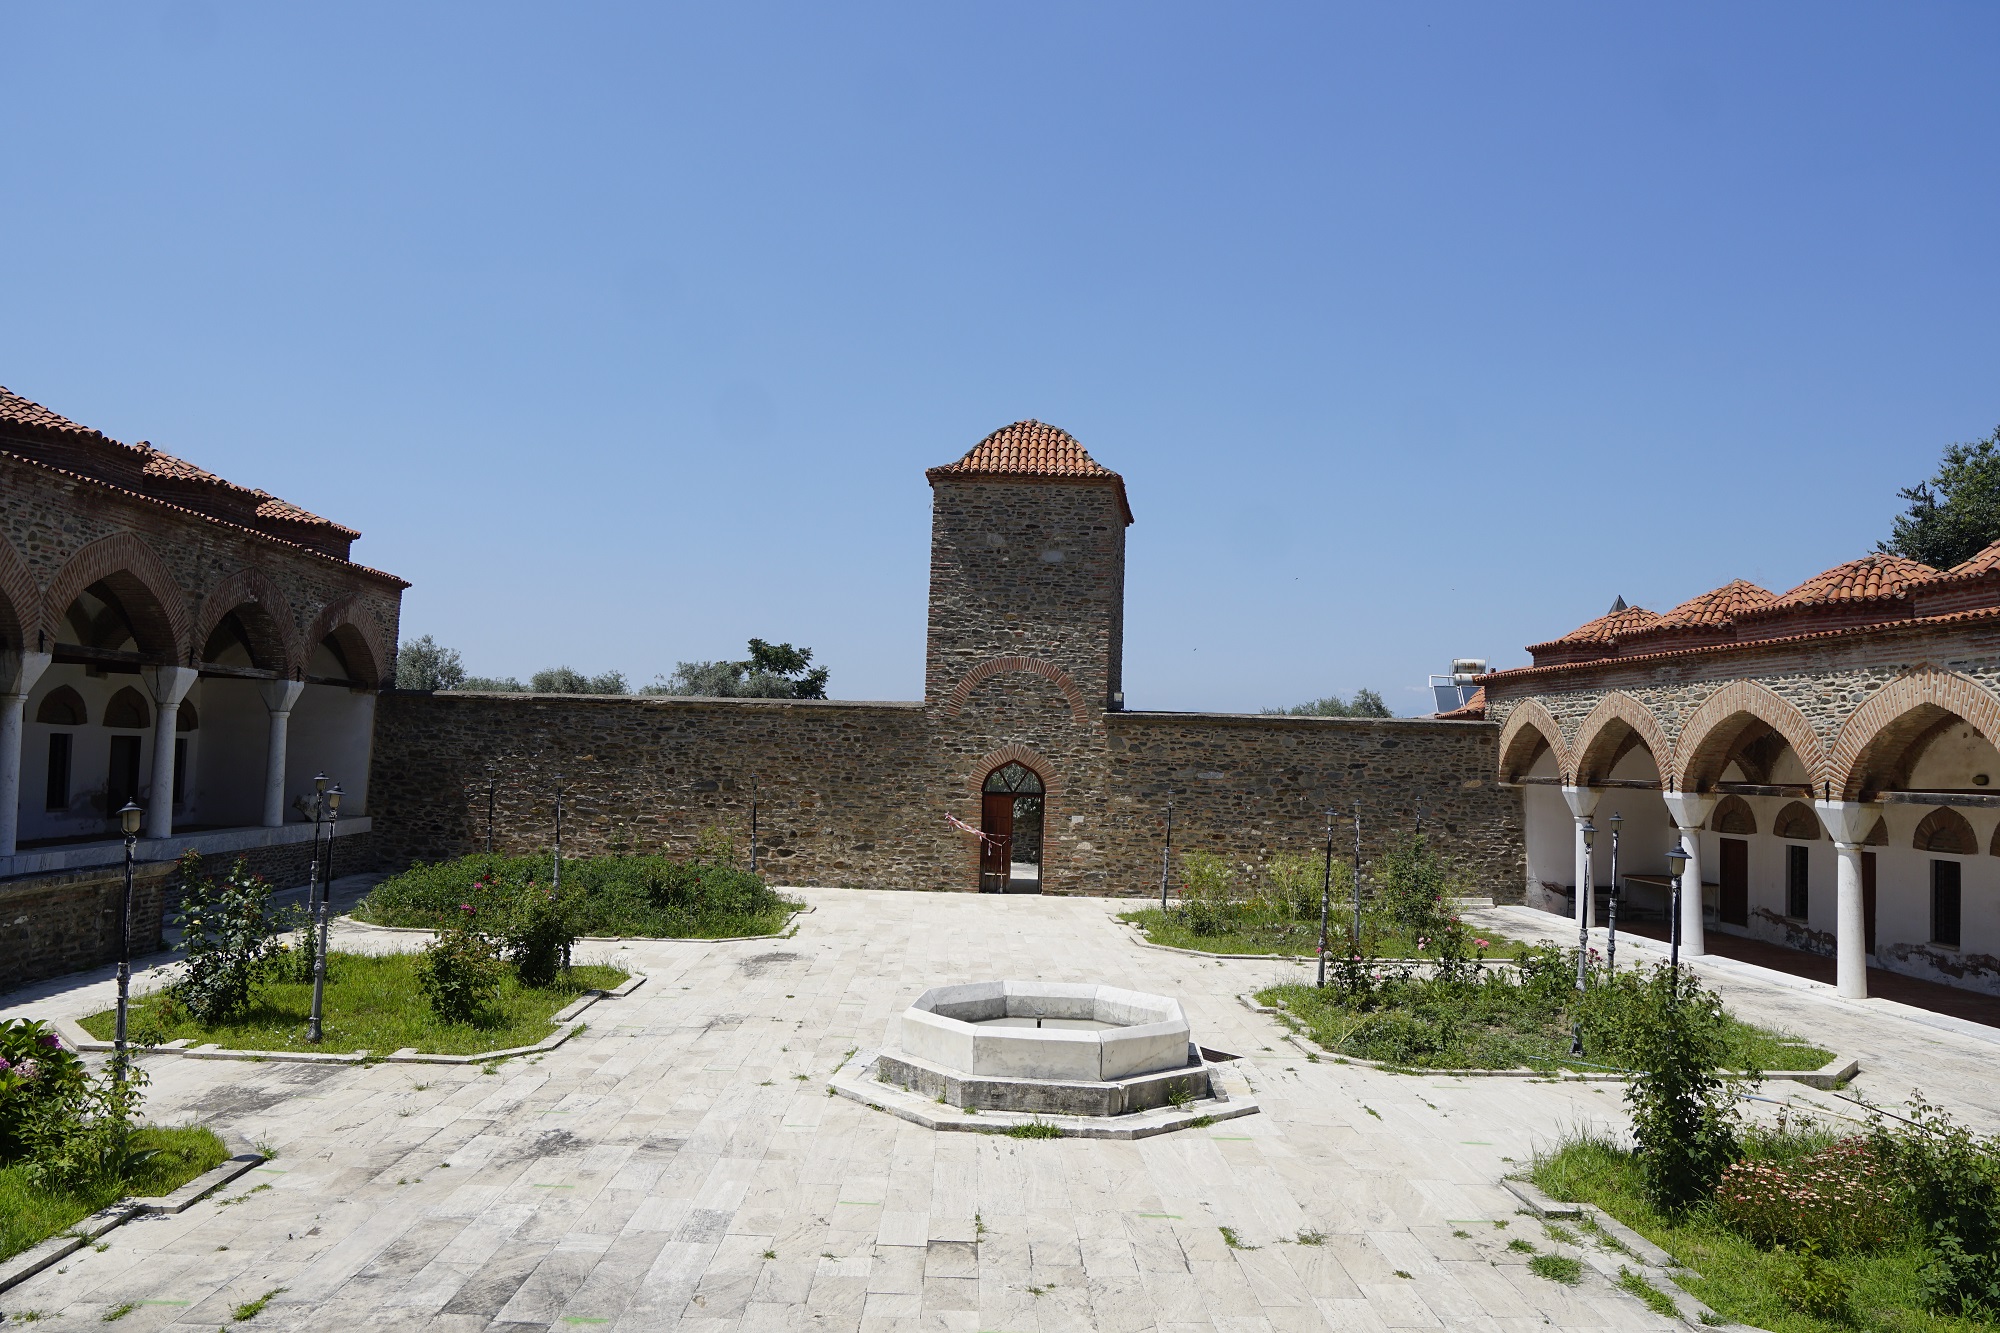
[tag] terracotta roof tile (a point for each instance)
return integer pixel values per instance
(1717, 607)
(16, 410)
(1867, 579)
(1986, 562)
(1032, 449)
(127, 464)
(1606, 628)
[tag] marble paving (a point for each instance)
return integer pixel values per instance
(681, 1165)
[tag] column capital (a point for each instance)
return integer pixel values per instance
(1690, 809)
(1582, 800)
(20, 669)
(1848, 821)
(169, 684)
(280, 695)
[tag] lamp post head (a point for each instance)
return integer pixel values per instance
(1615, 819)
(319, 784)
(128, 818)
(1589, 832)
(333, 798)
(1677, 859)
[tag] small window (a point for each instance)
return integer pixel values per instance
(1797, 898)
(128, 711)
(1014, 778)
(1944, 902)
(122, 781)
(62, 707)
(180, 770)
(57, 796)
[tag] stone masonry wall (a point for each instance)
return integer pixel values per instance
(64, 923)
(857, 794)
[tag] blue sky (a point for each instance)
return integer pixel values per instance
(625, 333)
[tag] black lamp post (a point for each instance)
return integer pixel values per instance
(314, 1025)
(1167, 855)
(129, 819)
(1325, 897)
(1583, 894)
(1611, 919)
(1357, 877)
(1677, 859)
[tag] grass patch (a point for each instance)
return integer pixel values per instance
(1501, 1018)
(1257, 929)
(251, 1309)
(1728, 1272)
(1557, 1268)
(1656, 1300)
(1037, 1128)
(29, 1216)
(649, 896)
(372, 1003)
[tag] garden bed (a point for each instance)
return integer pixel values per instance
(631, 897)
(1279, 934)
(1878, 1285)
(30, 1215)
(372, 1003)
(1469, 1018)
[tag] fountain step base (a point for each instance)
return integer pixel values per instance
(1227, 1098)
(1141, 1092)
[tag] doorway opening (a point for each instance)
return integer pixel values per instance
(1010, 853)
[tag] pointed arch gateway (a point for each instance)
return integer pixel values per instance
(1014, 784)
(1529, 730)
(1882, 740)
(1617, 724)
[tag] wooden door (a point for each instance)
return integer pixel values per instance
(1868, 899)
(996, 849)
(1735, 879)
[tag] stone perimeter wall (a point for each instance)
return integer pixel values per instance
(64, 923)
(857, 794)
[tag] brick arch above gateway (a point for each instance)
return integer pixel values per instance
(961, 693)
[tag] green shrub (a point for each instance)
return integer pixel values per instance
(1683, 1114)
(1412, 883)
(605, 895)
(540, 926)
(1950, 1184)
(1832, 1199)
(225, 936)
(459, 974)
(1815, 1287)
(41, 1080)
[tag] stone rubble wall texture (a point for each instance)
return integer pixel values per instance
(54, 924)
(49, 518)
(857, 794)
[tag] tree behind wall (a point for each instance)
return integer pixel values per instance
(1365, 703)
(1956, 513)
(426, 664)
(772, 671)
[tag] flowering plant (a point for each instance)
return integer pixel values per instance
(1838, 1198)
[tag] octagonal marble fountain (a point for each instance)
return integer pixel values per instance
(987, 1055)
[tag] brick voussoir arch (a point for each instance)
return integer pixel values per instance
(1704, 742)
(20, 600)
(347, 613)
(1531, 715)
(1877, 718)
(249, 585)
(1588, 747)
(961, 693)
(1011, 753)
(123, 554)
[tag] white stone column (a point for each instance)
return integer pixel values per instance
(279, 696)
(19, 671)
(1690, 811)
(169, 685)
(1849, 822)
(1583, 800)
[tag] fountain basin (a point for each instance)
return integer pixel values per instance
(1046, 1046)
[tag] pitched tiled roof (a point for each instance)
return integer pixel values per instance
(1032, 449)
(1718, 606)
(1472, 710)
(1986, 562)
(1870, 577)
(1606, 628)
(16, 410)
(92, 453)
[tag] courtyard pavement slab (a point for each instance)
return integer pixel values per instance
(680, 1164)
